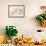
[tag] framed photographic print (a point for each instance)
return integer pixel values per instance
(16, 11)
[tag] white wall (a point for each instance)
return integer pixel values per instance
(27, 25)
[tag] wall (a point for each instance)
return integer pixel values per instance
(27, 25)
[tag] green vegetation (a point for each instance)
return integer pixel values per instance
(11, 31)
(41, 17)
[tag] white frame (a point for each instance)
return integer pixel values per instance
(18, 7)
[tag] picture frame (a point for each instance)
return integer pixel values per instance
(16, 11)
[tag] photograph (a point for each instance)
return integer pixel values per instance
(16, 11)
